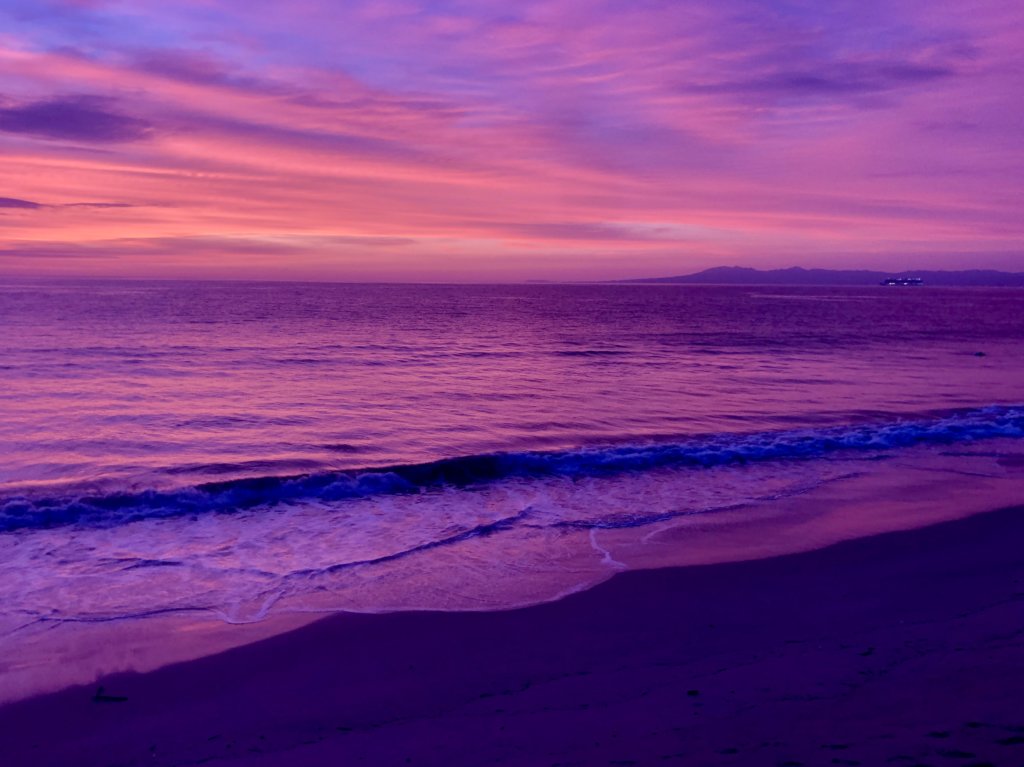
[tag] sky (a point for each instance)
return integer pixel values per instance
(478, 140)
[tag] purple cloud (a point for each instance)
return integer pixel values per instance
(834, 80)
(187, 66)
(76, 118)
(205, 69)
(11, 202)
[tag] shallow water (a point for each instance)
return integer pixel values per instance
(240, 449)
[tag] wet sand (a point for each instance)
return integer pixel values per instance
(905, 648)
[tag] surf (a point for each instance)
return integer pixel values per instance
(26, 512)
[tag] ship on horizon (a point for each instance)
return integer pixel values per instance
(902, 281)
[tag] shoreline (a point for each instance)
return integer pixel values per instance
(905, 646)
(915, 490)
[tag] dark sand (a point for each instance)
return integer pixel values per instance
(902, 649)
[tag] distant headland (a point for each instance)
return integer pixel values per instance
(741, 275)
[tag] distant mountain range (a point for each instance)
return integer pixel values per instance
(741, 275)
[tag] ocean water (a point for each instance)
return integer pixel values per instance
(235, 450)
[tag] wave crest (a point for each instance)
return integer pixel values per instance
(19, 513)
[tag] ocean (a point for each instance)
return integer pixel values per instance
(233, 450)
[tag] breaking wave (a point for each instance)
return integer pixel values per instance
(23, 512)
